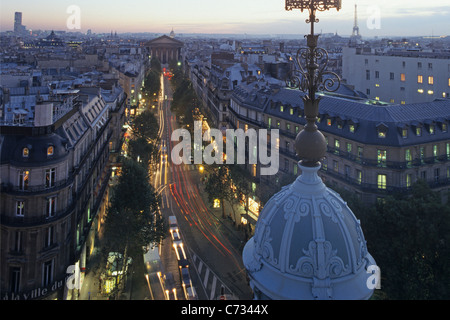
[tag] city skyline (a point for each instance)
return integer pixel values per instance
(387, 18)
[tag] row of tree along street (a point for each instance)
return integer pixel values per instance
(133, 220)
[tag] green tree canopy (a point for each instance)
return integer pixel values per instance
(133, 218)
(146, 126)
(409, 237)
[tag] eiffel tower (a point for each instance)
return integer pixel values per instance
(355, 34)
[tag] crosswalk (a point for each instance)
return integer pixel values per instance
(211, 284)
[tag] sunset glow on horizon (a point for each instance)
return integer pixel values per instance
(402, 17)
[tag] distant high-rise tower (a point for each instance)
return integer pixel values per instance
(355, 33)
(18, 27)
(17, 21)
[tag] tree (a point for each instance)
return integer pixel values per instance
(409, 237)
(143, 151)
(133, 220)
(241, 179)
(218, 185)
(146, 126)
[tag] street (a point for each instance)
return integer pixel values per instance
(212, 244)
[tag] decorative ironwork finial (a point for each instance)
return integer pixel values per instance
(310, 76)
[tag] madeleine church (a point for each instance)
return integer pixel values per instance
(165, 48)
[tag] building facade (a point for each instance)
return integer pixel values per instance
(373, 150)
(165, 49)
(54, 192)
(397, 76)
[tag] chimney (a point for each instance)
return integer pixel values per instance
(43, 114)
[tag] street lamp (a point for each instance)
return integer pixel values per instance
(309, 74)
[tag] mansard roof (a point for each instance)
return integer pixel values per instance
(368, 118)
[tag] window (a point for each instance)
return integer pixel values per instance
(278, 124)
(405, 133)
(25, 152)
(335, 166)
(381, 133)
(359, 153)
(419, 79)
(349, 147)
(50, 177)
(381, 158)
(288, 126)
(381, 181)
(431, 129)
(408, 180)
(24, 177)
(418, 131)
(48, 237)
(448, 149)
(430, 66)
(408, 158)
(347, 171)
(367, 74)
(291, 111)
(422, 154)
(337, 145)
(329, 122)
(50, 150)
(430, 80)
(359, 176)
(392, 76)
(20, 208)
(437, 173)
(50, 207)
(377, 74)
(14, 285)
(402, 77)
(296, 129)
(419, 65)
(281, 108)
(269, 122)
(351, 128)
(295, 168)
(435, 151)
(47, 273)
(18, 247)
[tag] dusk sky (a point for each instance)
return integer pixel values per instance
(387, 18)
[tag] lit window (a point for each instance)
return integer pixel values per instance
(402, 77)
(435, 151)
(420, 90)
(449, 82)
(50, 177)
(408, 180)
(20, 205)
(291, 111)
(358, 176)
(50, 150)
(405, 133)
(408, 157)
(337, 144)
(444, 127)
(281, 108)
(418, 132)
(25, 152)
(349, 147)
(430, 92)
(381, 134)
(431, 129)
(24, 177)
(419, 79)
(351, 128)
(328, 122)
(381, 158)
(382, 181)
(403, 102)
(430, 80)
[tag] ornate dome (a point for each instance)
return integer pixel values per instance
(308, 245)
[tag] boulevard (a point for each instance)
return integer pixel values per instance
(212, 247)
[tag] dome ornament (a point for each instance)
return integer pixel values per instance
(309, 74)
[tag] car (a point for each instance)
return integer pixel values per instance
(170, 292)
